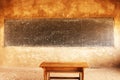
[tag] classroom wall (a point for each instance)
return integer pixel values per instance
(17, 56)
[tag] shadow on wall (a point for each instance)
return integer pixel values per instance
(117, 64)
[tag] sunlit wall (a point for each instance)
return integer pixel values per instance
(33, 56)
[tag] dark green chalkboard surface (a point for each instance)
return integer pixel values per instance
(82, 32)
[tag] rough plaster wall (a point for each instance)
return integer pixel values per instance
(33, 56)
(34, 74)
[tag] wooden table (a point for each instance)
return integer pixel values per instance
(63, 67)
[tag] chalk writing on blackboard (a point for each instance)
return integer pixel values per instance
(83, 32)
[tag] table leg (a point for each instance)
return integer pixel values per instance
(79, 75)
(48, 75)
(45, 75)
(82, 74)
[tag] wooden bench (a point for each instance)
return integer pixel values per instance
(63, 67)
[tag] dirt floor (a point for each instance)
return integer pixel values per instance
(7, 73)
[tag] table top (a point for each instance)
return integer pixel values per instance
(64, 64)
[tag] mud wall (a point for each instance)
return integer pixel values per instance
(33, 56)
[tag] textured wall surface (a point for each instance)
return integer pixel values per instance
(33, 56)
(37, 74)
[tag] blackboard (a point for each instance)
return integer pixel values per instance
(82, 32)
